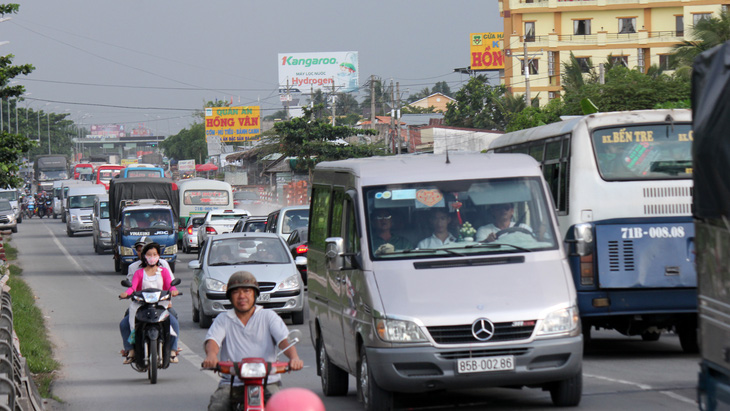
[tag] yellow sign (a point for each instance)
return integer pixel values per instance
(233, 124)
(486, 51)
(127, 161)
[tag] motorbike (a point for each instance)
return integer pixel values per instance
(152, 330)
(30, 210)
(254, 373)
(49, 208)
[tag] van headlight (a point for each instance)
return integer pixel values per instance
(170, 250)
(565, 320)
(291, 283)
(73, 218)
(105, 234)
(399, 331)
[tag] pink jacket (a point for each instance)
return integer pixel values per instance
(138, 276)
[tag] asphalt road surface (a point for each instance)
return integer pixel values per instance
(77, 290)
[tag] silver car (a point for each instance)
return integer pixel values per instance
(190, 234)
(7, 216)
(263, 254)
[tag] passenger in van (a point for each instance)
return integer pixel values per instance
(384, 241)
(439, 220)
(501, 215)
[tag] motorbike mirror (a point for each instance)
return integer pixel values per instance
(294, 337)
(126, 283)
(176, 281)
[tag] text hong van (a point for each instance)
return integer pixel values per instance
(433, 272)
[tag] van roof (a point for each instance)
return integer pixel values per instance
(85, 190)
(407, 168)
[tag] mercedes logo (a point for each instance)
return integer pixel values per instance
(482, 329)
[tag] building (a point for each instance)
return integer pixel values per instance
(435, 100)
(635, 33)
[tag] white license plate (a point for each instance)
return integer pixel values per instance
(264, 297)
(485, 364)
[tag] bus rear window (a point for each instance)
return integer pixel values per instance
(205, 197)
(644, 152)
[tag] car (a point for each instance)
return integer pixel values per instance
(13, 195)
(245, 199)
(190, 234)
(298, 248)
(250, 224)
(102, 230)
(219, 222)
(7, 217)
(286, 219)
(264, 255)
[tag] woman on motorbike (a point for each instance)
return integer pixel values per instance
(151, 275)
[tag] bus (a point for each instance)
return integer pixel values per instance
(105, 172)
(622, 187)
(198, 196)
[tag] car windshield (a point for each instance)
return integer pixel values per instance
(158, 219)
(254, 227)
(458, 218)
(248, 250)
(86, 201)
(197, 222)
(53, 175)
(5, 206)
(644, 152)
(294, 219)
(245, 195)
(9, 195)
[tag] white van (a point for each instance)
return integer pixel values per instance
(200, 195)
(65, 186)
(80, 207)
(433, 272)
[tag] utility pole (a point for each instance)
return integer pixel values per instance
(287, 100)
(372, 101)
(48, 118)
(311, 102)
(391, 140)
(334, 101)
(397, 116)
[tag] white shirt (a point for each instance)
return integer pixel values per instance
(435, 242)
(259, 338)
(138, 264)
(484, 231)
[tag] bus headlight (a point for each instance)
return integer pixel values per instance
(125, 251)
(399, 331)
(583, 238)
(565, 320)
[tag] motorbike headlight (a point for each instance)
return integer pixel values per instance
(399, 331)
(105, 234)
(565, 320)
(291, 283)
(170, 250)
(253, 370)
(215, 285)
(126, 251)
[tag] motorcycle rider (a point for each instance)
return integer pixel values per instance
(41, 204)
(247, 330)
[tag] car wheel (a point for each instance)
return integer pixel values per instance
(567, 393)
(20, 219)
(69, 232)
(117, 266)
(297, 318)
(333, 378)
(196, 313)
(205, 320)
(373, 397)
(14, 229)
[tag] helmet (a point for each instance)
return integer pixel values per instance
(143, 241)
(242, 279)
(291, 399)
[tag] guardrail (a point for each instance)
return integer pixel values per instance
(18, 391)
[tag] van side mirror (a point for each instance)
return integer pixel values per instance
(194, 265)
(334, 253)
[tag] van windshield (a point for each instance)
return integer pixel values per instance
(457, 218)
(86, 201)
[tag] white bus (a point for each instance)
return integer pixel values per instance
(198, 196)
(622, 187)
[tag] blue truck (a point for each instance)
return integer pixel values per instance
(143, 207)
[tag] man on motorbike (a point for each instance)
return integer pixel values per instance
(247, 330)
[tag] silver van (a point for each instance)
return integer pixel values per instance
(79, 204)
(438, 272)
(101, 225)
(65, 186)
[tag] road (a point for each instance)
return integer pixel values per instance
(78, 290)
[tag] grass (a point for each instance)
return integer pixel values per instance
(10, 252)
(31, 329)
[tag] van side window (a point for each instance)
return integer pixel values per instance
(320, 216)
(352, 239)
(338, 198)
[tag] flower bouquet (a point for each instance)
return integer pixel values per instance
(467, 231)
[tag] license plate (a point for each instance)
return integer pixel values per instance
(264, 297)
(485, 364)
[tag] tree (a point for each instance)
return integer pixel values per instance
(476, 106)
(706, 34)
(441, 87)
(191, 143)
(381, 99)
(346, 104)
(417, 110)
(536, 116)
(12, 146)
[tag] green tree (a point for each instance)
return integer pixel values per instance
(476, 106)
(706, 34)
(346, 104)
(382, 97)
(12, 146)
(441, 87)
(536, 116)
(417, 110)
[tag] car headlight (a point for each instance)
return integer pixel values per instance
(215, 285)
(399, 331)
(105, 234)
(291, 283)
(170, 250)
(565, 320)
(126, 251)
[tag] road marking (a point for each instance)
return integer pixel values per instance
(63, 249)
(644, 387)
(195, 359)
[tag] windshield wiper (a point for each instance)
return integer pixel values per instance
(499, 245)
(421, 250)
(220, 263)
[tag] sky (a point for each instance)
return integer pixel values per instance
(154, 63)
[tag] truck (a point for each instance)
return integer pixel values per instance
(143, 207)
(152, 158)
(49, 168)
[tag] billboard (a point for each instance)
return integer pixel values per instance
(486, 51)
(233, 124)
(306, 71)
(186, 166)
(106, 131)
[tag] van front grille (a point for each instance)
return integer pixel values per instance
(461, 334)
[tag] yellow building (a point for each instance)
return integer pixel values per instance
(436, 100)
(636, 33)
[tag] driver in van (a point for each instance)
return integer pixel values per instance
(502, 219)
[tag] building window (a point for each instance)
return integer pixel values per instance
(581, 27)
(530, 31)
(552, 58)
(665, 62)
(679, 24)
(640, 57)
(552, 95)
(699, 16)
(533, 66)
(584, 63)
(627, 25)
(620, 60)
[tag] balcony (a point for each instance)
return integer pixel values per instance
(544, 5)
(600, 39)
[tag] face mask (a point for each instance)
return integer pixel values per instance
(152, 260)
